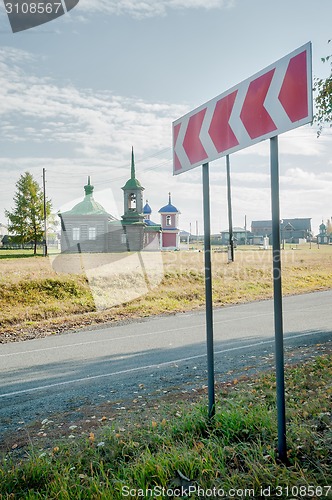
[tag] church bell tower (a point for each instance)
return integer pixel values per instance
(133, 197)
(133, 217)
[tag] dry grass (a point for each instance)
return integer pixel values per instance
(49, 295)
(31, 268)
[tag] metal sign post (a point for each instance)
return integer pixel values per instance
(229, 202)
(277, 296)
(208, 288)
(271, 102)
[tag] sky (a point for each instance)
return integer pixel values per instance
(78, 92)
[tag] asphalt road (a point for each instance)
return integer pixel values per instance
(59, 373)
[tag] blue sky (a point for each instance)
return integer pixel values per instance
(78, 92)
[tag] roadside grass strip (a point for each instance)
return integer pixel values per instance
(171, 449)
(36, 300)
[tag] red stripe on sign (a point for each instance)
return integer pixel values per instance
(294, 90)
(254, 116)
(220, 130)
(192, 143)
(176, 161)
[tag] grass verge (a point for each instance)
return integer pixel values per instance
(37, 299)
(178, 450)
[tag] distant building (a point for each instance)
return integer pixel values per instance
(240, 236)
(323, 238)
(152, 229)
(3, 232)
(87, 227)
(184, 236)
(216, 239)
(84, 228)
(291, 230)
(261, 228)
(170, 232)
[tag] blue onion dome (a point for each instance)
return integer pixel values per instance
(169, 208)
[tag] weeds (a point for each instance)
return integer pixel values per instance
(32, 300)
(179, 447)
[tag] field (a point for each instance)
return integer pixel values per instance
(41, 296)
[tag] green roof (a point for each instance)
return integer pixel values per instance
(132, 183)
(89, 206)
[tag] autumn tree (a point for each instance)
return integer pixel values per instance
(323, 99)
(26, 220)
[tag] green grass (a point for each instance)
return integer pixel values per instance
(32, 300)
(236, 451)
(18, 254)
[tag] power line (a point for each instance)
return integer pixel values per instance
(109, 180)
(137, 161)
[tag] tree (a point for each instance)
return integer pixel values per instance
(26, 221)
(323, 99)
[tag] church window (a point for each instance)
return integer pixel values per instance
(123, 239)
(132, 201)
(76, 233)
(92, 233)
(168, 220)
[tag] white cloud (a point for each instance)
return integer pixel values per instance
(149, 8)
(301, 141)
(37, 110)
(299, 180)
(75, 132)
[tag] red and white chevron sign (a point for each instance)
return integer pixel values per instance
(277, 99)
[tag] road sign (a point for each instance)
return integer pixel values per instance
(273, 101)
(277, 99)
(28, 14)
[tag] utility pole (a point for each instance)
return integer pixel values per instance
(45, 221)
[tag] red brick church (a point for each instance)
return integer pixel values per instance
(87, 227)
